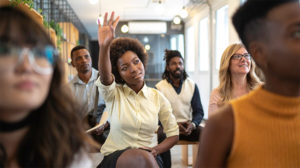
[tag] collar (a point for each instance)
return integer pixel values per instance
(94, 76)
(171, 82)
(144, 91)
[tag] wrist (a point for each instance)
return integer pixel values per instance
(194, 125)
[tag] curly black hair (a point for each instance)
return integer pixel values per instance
(119, 47)
(169, 54)
(249, 19)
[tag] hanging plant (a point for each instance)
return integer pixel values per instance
(18, 2)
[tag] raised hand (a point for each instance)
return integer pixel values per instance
(106, 31)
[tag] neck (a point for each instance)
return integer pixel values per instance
(239, 85)
(176, 81)
(290, 88)
(239, 81)
(136, 88)
(11, 142)
(85, 77)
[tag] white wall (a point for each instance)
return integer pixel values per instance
(207, 80)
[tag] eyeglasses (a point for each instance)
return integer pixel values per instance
(239, 56)
(41, 59)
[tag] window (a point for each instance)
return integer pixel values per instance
(203, 45)
(177, 43)
(190, 45)
(222, 33)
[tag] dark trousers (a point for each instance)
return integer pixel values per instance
(166, 156)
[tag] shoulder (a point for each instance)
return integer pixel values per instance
(161, 83)
(73, 81)
(189, 80)
(215, 93)
(219, 129)
(81, 159)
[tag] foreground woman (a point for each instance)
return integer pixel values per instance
(38, 125)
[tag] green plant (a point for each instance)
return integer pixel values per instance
(17, 2)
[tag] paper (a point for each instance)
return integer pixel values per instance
(103, 120)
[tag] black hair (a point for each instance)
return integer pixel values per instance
(169, 54)
(249, 19)
(79, 47)
(119, 47)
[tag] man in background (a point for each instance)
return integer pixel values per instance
(83, 87)
(184, 97)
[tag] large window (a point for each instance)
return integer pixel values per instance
(177, 43)
(222, 33)
(203, 45)
(190, 45)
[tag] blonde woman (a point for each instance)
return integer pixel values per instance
(236, 75)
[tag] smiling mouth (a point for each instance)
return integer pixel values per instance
(137, 76)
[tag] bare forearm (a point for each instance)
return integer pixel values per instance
(104, 65)
(166, 144)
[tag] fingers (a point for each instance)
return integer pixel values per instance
(115, 23)
(105, 19)
(111, 19)
(181, 127)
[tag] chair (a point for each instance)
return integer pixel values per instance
(185, 153)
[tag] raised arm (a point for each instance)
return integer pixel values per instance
(106, 33)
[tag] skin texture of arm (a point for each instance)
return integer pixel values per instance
(164, 146)
(216, 140)
(105, 37)
(213, 102)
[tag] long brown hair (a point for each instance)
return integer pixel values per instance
(56, 134)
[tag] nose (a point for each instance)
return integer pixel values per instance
(243, 59)
(133, 69)
(24, 63)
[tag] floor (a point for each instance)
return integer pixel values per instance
(176, 157)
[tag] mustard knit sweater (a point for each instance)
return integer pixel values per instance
(266, 131)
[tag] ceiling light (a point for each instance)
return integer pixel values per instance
(146, 39)
(124, 28)
(176, 20)
(147, 47)
(93, 2)
(183, 13)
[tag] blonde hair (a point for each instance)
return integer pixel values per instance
(225, 86)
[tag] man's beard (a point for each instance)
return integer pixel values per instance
(176, 75)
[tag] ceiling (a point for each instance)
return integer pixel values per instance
(128, 10)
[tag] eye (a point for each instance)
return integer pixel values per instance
(136, 61)
(296, 34)
(124, 68)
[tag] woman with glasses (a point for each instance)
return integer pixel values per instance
(38, 122)
(236, 77)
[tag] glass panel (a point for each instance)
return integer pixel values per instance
(203, 45)
(190, 46)
(222, 33)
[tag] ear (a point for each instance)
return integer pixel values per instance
(167, 67)
(72, 63)
(258, 53)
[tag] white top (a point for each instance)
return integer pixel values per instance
(85, 93)
(81, 159)
(214, 100)
(134, 117)
(181, 103)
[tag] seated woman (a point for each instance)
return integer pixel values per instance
(134, 109)
(38, 125)
(236, 75)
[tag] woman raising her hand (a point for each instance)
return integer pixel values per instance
(134, 109)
